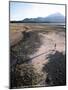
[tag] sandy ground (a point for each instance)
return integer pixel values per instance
(51, 43)
(15, 37)
(46, 48)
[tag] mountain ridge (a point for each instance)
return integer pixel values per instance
(53, 18)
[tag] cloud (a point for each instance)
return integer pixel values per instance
(20, 11)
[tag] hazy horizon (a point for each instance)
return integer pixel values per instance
(20, 10)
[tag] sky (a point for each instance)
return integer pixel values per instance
(20, 11)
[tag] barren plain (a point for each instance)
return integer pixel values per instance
(42, 46)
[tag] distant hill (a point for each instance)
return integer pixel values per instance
(53, 18)
(57, 17)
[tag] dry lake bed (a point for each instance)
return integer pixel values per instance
(37, 54)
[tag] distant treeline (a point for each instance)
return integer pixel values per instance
(16, 22)
(31, 22)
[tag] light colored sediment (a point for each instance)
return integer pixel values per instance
(48, 47)
(15, 37)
